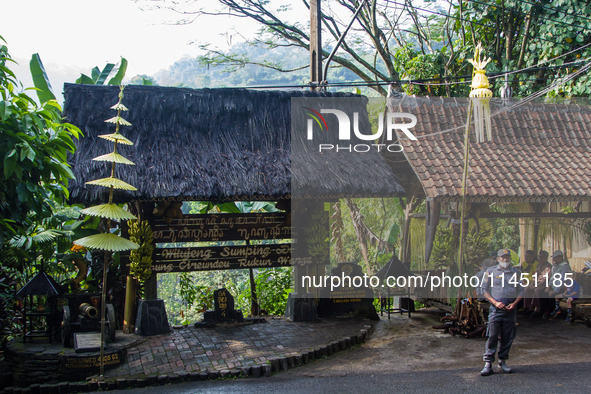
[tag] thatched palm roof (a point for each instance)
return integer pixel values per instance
(206, 144)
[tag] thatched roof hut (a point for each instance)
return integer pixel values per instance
(206, 144)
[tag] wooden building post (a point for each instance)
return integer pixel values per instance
(536, 208)
(254, 299)
(431, 222)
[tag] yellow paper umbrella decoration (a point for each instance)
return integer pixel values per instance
(107, 241)
(115, 183)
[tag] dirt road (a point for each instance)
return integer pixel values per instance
(404, 345)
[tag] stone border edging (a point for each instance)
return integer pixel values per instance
(274, 365)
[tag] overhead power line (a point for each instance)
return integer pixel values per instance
(549, 60)
(419, 81)
(526, 100)
(526, 14)
(474, 22)
(553, 9)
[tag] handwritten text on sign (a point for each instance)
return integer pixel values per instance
(221, 257)
(223, 227)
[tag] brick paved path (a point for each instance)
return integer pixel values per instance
(236, 348)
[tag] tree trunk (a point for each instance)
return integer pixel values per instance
(409, 208)
(254, 303)
(357, 220)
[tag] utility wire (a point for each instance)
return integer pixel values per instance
(526, 14)
(474, 22)
(553, 9)
(419, 81)
(526, 100)
(547, 61)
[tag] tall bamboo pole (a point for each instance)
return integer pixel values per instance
(464, 184)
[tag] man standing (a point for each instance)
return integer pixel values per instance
(501, 286)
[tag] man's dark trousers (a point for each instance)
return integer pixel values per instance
(503, 323)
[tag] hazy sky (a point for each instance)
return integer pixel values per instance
(73, 36)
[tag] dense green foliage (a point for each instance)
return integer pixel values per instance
(505, 231)
(383, 217)
(478, 243)
(188, 295)
(524, 34)
(34, 146)
(273, 286)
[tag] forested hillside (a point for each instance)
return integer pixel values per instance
(246, 70)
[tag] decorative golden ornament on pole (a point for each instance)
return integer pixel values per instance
(480, 97)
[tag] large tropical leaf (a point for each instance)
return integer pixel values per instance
(40, 79)
(116, 137)
(26, 241)
(228, 207)
(85, 80)
(112, 182)
(50, 235)
(393, 232)
(256, 206)
(10, 163)
(94, 73)
(201, 206)
(118, 78)
(106, 241)
(104, 74)
(114, 158)
(109, 211)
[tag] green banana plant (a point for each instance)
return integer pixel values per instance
(40, 79)
(99, 77)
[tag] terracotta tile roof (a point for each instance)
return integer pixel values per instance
(540, 152)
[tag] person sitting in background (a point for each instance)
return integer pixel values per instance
(530, 265)
(571, 293)
(560, 269)
(587, 268)
(540, 301)
(528, 268)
